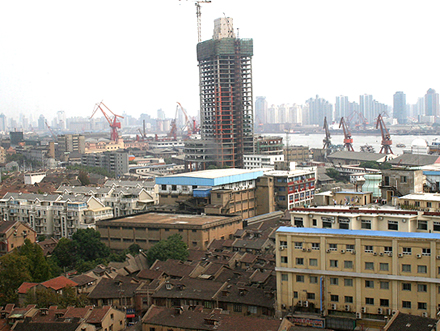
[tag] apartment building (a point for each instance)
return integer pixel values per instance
(13, 234)
(114, 162)
(358, 274)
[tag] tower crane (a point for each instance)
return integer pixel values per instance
(50, 130)
(199, 18)
(327, 141)
(113, 123)
(348, 140)
(386, 138)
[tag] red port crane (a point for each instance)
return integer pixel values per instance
(113, 123)
(386, 138)
(327, 142)
(54, 136)
(190, 126)
(348, 140)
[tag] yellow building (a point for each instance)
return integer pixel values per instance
(146, 230)
(13, 234)
(358, 273)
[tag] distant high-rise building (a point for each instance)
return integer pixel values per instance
(342, 107)
(41, 123)
(160, 114)
(366, 106)
(318, 109)
(260, 110)
(3, 123)
(399, 107)
(61, 119)
(226, 103)
(431, 103)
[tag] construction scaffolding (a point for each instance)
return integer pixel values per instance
(226, 107)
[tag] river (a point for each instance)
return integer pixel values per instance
(315, 140)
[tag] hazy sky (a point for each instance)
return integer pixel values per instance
(139, 56)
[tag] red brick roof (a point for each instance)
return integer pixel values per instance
(25, 287)
(59, 283)
(97, 315)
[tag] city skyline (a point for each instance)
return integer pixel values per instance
(139, 57)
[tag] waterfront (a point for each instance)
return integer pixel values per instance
(315, 140)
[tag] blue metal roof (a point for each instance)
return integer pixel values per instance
(431, 173)
(413, 235)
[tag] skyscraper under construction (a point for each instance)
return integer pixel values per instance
(226, 103)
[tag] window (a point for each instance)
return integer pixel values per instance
(369, 284)
(349, 248)
(314, 222)
(299, 261)
(417, 203)
(283, 243)
(429, 205)
(326, 223)
(298, 222)
(300, 278)
(407, 250)
(310, 296)
(313, 280)
(173, 187)
(393, 225)
(298, 245)
(237, 307)
(366, 224)
(252, 309)
(295, 294)
(384, 267)
(315, 246)
(422, 288)
(406, 286)
(208, 304)
(422, 225)
(334, 281)
(369, 301)
(388, 249)
(348, 264)
(333, 263)
(334, 298)
(368, 249)
(333, 247)
(406, 304)
(283, 259)
(422, 305)
(384, 302)
(436, 226)
(384, 285)
(163, 187)
(406, 267)
(313, 262)
(284, 277)
(348, 282)
(403, 179)
(426, 251)
(348, 299)
(422, 269)
(369, 266)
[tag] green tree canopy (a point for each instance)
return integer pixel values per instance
(14, 270)
(171, 248)
(39, 268)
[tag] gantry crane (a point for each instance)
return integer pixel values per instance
(113, 123)
(386, 138)
(327, 141)
(348, 140)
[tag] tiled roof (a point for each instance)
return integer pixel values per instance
(6, 225)
(59, 283)
(49, 326)
(411, 323)
(83, 279)
(247, 295)
(188, 288)
(173, 268)
(26, 286)
(78, 312)
(149, 274)
(112, 288)
(98, 315)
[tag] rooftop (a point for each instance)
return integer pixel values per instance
(365, 233)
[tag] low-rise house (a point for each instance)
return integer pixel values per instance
(13, 234)
(48, 245)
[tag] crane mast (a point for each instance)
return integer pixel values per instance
(386, 137)
(113, 123)
(327, 141)
(348, 140)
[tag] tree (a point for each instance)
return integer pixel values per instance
(46, 297)
(14, 270)
(38, 266)
(88, 246)
(83, 177)
(63, 253)
(171, 248)
(134, 249)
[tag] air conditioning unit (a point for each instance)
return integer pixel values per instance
(438, 257)
(381, 254)
(309, 250)
(300, 303)
(380, 218)
(333, 306)
(358, 218)
(347, 307)
(375, 253)
(304, 249)
(283, 306)
(390, 254)
(327, 251)
(389, 311)
(306, 304)
(425, 314)
(419, 256)
(400, 255)
(282, 248)
(394, 312)
(358, 315)
(353, 252)
(342, 251)
(364, 309)
(379, 310)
